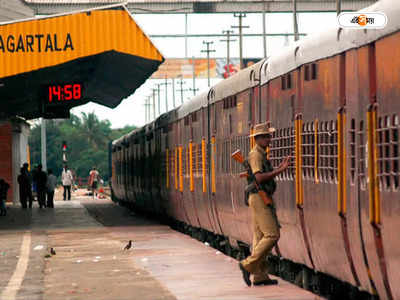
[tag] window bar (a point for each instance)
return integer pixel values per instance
(203, 157)
(191, 166)
(180, 170)
(167, 170)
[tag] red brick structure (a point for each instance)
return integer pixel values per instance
(6, 156)
(13, 153)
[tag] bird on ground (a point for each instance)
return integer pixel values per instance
(52, 251)
(128, 246)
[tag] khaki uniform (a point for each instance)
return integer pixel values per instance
(264, 221)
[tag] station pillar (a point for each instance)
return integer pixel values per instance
(13, 153)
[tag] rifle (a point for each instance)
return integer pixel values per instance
(237, 155)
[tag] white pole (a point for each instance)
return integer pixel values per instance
(43, 140)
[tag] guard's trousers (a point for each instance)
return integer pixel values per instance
(265, 235)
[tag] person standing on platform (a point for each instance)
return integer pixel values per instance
(4, 186)
(67, 179)
(264, 220)
(32, 178)
(51, 185)
(41, 181)
(24, 188)
(28, 195)
(94, 177)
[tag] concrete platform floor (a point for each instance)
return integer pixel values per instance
(90, 263)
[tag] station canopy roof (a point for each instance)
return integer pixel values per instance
(54, 63)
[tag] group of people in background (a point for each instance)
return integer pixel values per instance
(44, 185)
(39, 181)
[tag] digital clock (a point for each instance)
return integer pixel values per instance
(57, 93)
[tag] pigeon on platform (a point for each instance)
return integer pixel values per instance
(52, 251)
(128, 246)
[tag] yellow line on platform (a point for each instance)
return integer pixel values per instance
(15, 282)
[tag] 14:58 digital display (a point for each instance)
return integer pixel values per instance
(64, 92)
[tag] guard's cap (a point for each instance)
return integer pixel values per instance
(263, 128)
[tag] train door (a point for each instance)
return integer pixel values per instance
(187, 196)
(204, 210)
(158, 172)
(374, 164)
(193, 138)
(184, 215)
(129, 170)
(211, 162)
(282, 108)
(323, 168)
(240, 114)
(125, 159)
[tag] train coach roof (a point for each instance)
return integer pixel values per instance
(331, 42)
(242, 80)
(118, 141)
(192, 105)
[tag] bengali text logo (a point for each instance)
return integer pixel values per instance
(363, 20)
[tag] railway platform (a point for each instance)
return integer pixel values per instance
(88, 237)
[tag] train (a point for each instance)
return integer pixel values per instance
(334, 99)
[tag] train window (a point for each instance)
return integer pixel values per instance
(303, 150)
(289, 81)
(186, 121)
(283, 83)
(215, 117)
(230, 124)
(313, 71)
(395, 151)
(187, 162)
(230, 102)
(194, 116)
(352, 135)
(281, 147)
(385, 161)
(334, 151)
(227, 151)
(307, 151)
(307, 73)
(362, 154)
(321, 150)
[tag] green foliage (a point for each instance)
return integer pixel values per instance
(87, 144)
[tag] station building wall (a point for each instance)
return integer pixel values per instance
(13, 153)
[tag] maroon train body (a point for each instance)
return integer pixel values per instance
(335, 101)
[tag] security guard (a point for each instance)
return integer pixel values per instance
(264, 221)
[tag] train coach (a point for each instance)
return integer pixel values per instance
(334, 99)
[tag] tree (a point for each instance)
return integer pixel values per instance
(87, 141)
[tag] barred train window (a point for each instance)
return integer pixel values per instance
(282, 145)
(352, 135)
(362, 161)
(310, 72)
(313, 71)
(395, 147)
(308, 150)
(199, 161)
(286, 81)
(232, 148)
(328, 158)
(183, 161)
(307, 73)
(388, 155)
